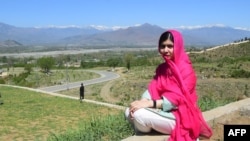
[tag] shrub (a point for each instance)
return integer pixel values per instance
(240, 74)
(2, 81)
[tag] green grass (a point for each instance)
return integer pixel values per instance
(28, 115)
(111, 128)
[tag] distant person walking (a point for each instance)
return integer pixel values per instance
(81, 92)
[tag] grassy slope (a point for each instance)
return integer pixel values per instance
(28, 115)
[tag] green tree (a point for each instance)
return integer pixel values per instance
(28, 68)
(4, 59)
(113, 62)
(83, 64)
(46, 63)
(128, 58)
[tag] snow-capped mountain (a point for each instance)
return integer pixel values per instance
(137, 35)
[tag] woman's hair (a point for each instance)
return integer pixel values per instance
(164, 36)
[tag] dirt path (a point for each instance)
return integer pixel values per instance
(106, 92)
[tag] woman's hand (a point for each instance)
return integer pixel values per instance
(138, 104)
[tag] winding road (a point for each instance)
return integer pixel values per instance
(105, 76)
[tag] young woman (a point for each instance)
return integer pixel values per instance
(169, 105)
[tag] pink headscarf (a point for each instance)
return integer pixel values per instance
(176, 80)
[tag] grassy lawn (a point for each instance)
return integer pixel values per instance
(28, 115)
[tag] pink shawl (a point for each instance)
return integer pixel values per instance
(176, 80)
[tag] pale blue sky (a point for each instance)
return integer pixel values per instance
(165, 13)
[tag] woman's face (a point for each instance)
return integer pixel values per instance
(167, 49)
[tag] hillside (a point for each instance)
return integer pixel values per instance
(10, 43)
(223, 62)
(233, 51)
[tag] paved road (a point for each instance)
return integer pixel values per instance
(105, 76)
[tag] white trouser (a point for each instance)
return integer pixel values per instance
(145, 120)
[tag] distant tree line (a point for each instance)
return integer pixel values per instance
(85, 61)
(243, 39)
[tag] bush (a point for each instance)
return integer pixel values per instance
(240, 74)
(2, 81)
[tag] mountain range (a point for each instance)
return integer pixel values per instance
(142, 35)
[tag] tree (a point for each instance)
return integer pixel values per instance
(4, 59)
(83, 64)
(128, 58)
(113, 62)
(28, 68)
(45, 63)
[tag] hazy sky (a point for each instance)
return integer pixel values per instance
(164, 13)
